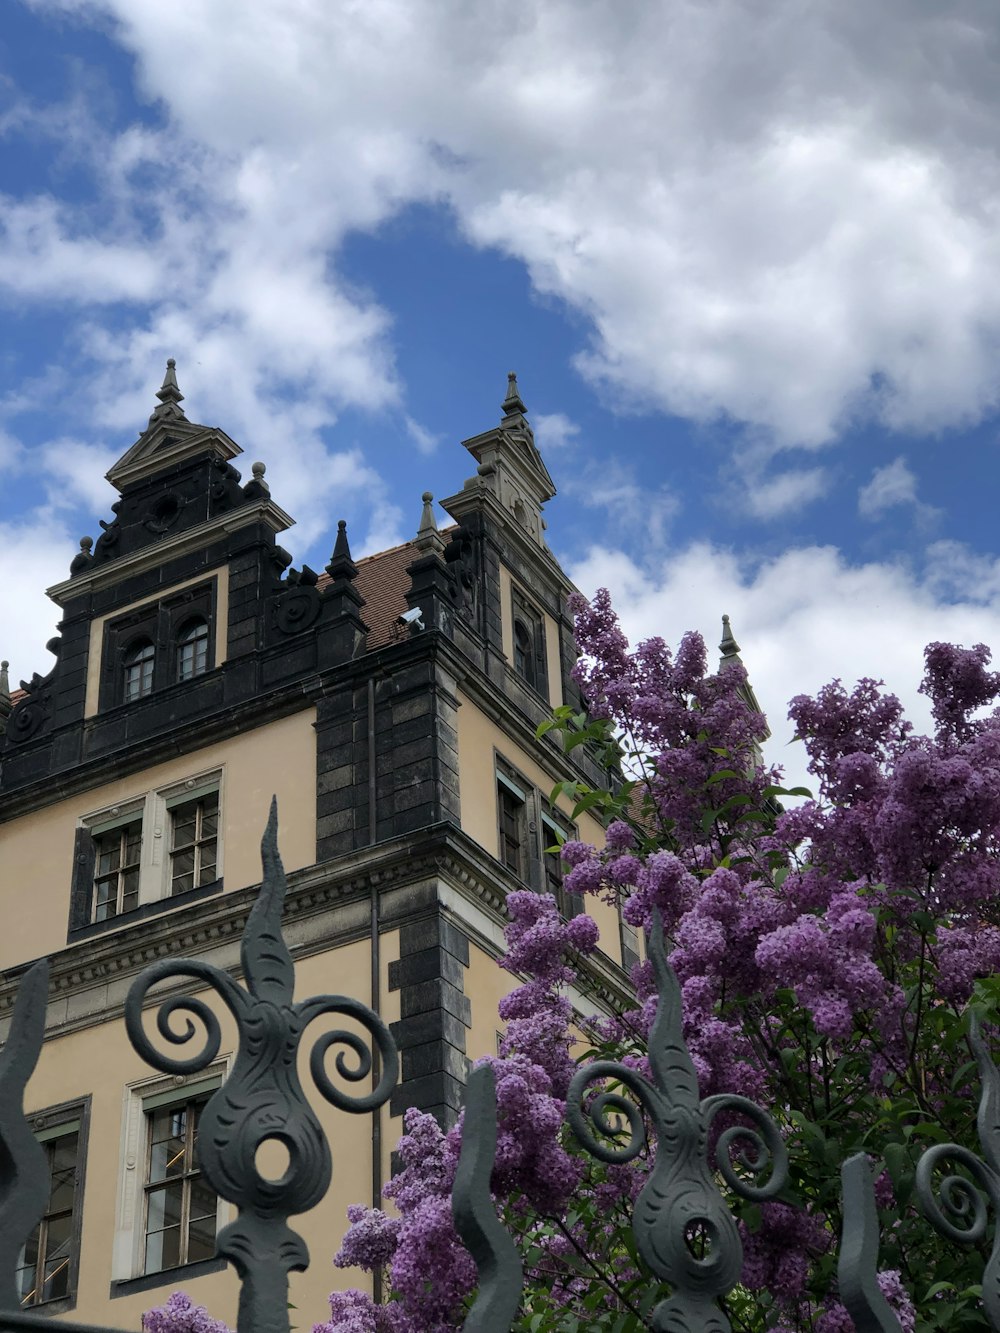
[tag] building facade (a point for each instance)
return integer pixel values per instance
(391, 705)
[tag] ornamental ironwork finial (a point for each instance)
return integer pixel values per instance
(682, 1225)
(857, 1262)
(961, 1214)
(24, 1176)
(498, 1263)
(263, 1100)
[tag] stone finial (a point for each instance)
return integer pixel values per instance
(513, 404)
(5, 703)
(257, 488)
(341, 565)
(428, 539)
(169, 395)
(728, 646)
(83, 558)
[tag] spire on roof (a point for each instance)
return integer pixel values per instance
(341, 565)
(728, 646)
(513, 404)
(169, 395)
(428, 538)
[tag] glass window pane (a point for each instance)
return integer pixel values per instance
(183, 827)
(182, 863)
(203, 1200)
(29, 1251)
(64, 1152)
(207, 873)
(163, 1250)
(163, 1206)
(26, 1286)
(56, 1280)
(201, 1239)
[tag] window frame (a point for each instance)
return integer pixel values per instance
(50, 1124)
(139, 1100)
(153, 810)
(531, 618)
(570, 904)
(200, 638)
(190, 1173)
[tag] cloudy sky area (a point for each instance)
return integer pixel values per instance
(744, 255)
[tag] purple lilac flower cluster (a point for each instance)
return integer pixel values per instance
(533, 1171)
(179, 1315)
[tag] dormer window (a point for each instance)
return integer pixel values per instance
(192, 649)
(138, 664)
(157, 645)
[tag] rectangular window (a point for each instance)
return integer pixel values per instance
(46, 1269)
(553, 835)
(117, 854)
(152, 848)
(528, 633)
(513, 827)
(180, 1207)
(194, 839)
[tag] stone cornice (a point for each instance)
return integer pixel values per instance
(160, 553)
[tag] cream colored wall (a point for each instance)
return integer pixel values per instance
(219, 576)
(486, 983)
(36, 851)
(100, 1061)
(479, 740)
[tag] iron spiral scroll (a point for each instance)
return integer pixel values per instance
(681, 1199)
(962, 1213)
(262, 1099)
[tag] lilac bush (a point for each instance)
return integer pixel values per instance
(829, 954)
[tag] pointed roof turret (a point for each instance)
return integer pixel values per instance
(170, 396)
(730, 655)
(728, 646)
(510, 469)
(513, 404)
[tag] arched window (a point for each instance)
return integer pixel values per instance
(524, 654)
(138, 664)
(192, 649)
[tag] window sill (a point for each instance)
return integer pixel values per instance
(58, 1305)
(168, 1277)
(142, 913)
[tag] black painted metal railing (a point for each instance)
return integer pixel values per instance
(263, 1099)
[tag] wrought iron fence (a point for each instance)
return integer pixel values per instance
(263, 1100)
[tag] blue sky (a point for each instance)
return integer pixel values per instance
(744, 258)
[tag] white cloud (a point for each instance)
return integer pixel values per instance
(891, 487)
(782, 218)
(805, 617)
(554, 430)
(34, 554)
(425, 440)
(772, 496)
(74, 475)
